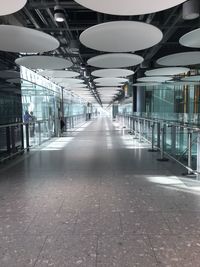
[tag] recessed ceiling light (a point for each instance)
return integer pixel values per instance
(59, 14)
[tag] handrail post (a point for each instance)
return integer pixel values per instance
(158, 134)
(146, 129)
(152, 138)
(13, 139)
(189, 144)
(22, 136)
(133, 125)
(140, 131)
(67, 124)
(163, 132)
(27, 136)
(136, 129)
(130, 125)
(198, 156)
(149, 129)
(39, 131)
(173, 139)
(70, 120)
(8, 139)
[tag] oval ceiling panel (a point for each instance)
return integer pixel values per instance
(146, 84)
(167, 71)
(195, 78)
(191, 39)
(78, 86)
(67, 80)
(43, 62)
(182, 83)
(128, 7)
(108, 80)
(180, 59)
(10, 6)
(121, 36)
(108, 84)
(25, 40)
(115, 60)
(159, 79)
(59, 73)
(69, 84)
(109, 88)
(108, 93)
(112, 73)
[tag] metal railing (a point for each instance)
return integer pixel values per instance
(72, 122)
(177, 140)
(16, 138)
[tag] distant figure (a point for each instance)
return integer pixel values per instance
(32, 121)
(33, 118)
(27, 117)
(62, 125)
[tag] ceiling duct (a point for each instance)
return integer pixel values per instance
(74, 46)
(191, 9)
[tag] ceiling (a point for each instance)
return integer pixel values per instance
(39, 14)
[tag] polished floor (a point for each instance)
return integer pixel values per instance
(97, 198)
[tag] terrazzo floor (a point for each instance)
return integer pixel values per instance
(97, 198)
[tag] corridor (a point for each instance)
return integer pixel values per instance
(97, 198)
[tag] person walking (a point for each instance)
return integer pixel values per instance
(27, 117)
(32, 121)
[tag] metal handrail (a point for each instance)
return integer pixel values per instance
(169, 122)
(161, 131)
(187, 149)
(24, 132)
(21, 123)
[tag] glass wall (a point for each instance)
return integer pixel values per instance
(47, 103)
(43, 105)
(174, 102)
(176, 106)
(126, 106)
(73, 105)
(10, 102)
(10, 108)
